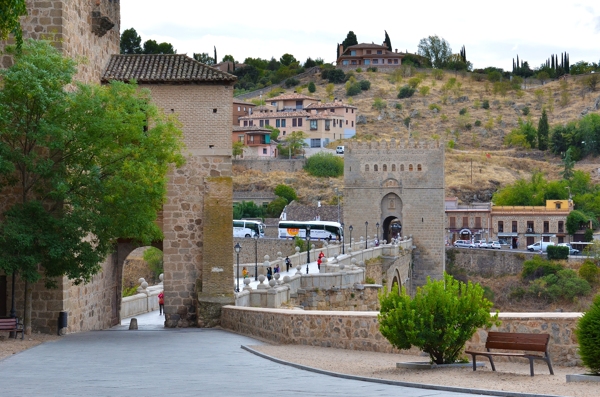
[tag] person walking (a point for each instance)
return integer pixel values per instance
(161, 302)
(244, 272)
(276, 268)
(269, 273)
(288, 263)
(319, 261)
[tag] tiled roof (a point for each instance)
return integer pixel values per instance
(159, 68)
(329, 105)
(367, 45)
(298, 212)
(325, 116)
(290, 96)
(240, 102)
(275, 115)
(251, 129)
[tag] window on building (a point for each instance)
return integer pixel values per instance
(395, 61)
(346, 122)
(384, 168)
(294, 122)
(241, 138)
(327, 125)
(379, 52)
(264, 150)
(561, 226)
(500, 227)
(352, 123)
(299, 105)
(477, 222)
(530, 227)
(299, 122)
(452, 222)
(558, 206)
(353, 53)
(262, 123)
(367, 62)
(389, 61)
(419, 167)
(401, 167)
(277, 123)
(344, 63)
(267, 122)
(313, 124)
(245, 123)
(514, 226)
(282, 123)
(353, 62)
(375, 61)
(274, 103)
(561, 240)
(251, 123)
(465, 222)
(393, 167)
(367, 167)
(368, 51)
(346, 110)
(375, 168)
(410, 167)
(352, 111)
(239, 108)
(546, 227)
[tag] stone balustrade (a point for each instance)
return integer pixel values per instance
(360, 330)
(146, 300)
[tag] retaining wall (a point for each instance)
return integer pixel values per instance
(360, 330)
(271, 165)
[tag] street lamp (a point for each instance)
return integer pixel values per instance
(342, 239)
(366, 231)
(307, 247)
(337, 193)
(377, 235)
(237, 249)
(256, 257)
(350, 228)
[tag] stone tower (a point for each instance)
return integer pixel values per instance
(400, 186)
(87, 30)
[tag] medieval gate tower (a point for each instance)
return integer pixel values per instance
(400, 186)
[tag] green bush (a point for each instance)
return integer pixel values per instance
(291, 82)
(275, 207)
(358, 70)
(311, 87)
(588, 337)
(372, 69)
(564, 284)
(365, 85)
(434, 106)
(325, 165)
(406, 92)
(462, 111)
(525, 111)
(477, 123)
(558, 252)
(440, 319)
(379, 104)
(287, 192)
(398, 106)
(353, 89)
(129, 291)
(485, 104)
(437, 74)
(539, 267)
(589, 271)
(335, 76)
(154, 257)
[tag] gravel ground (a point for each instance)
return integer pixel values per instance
(509, 376)
(10, 346)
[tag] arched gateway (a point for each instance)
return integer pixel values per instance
(396, 189)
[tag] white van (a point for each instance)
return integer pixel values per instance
(339, 150)
(540, 246)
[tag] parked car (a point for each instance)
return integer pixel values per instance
(464, 244)
(572, 251)
(540, 246)
(502, 241)
(339, 150)
(481, 244)
(494, 245)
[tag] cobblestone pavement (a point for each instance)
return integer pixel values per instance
(170, 362)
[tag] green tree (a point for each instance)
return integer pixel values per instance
(247, 209)
(10, 19)
(152, 47)
(274, 132)
(89, 163)
(154, 257)
(294, 142)
(349, 41)
(287, 59)
(309, 63)
(208, 60)
(228, 58)
(575, 220)
(325, 165)
(387, 41)
(275, 207)
(311, 87)
(436, 50)
(568, 164)
(237, 148)
(287, 192)
(588, 336)
(131, 42)
(439, 320)
(542, 132)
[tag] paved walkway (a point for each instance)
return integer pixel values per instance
(154, 361)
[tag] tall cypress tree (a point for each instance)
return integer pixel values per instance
(543, 129)
(387, 41)
(216, 55)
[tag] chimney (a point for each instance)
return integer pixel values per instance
(341, 49)
(396, 50)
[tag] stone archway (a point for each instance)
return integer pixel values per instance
(391, 214)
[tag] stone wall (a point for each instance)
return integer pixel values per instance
(363, 298)
(360, 330)
(273, 165)
(264, 246)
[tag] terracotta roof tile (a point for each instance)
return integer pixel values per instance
(251, 129)
(275, 115)
(291, 96)
(329, 105)
(160, 68)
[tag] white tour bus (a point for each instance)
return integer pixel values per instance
(246, 228)
(319, 230)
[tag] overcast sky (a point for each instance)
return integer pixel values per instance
(493, 32)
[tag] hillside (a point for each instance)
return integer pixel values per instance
(479, 163)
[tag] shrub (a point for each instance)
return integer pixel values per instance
(539, 267)
(440, 319)
(358, 70)
(372, 69)
(485, 104)
(525, 111)
(365, 85)
(291, 82)
(275, 207)
(589, 272)
(311, 87)
(406, 92)
(437, 74)
(477, 123)
(336, 76)
(414, 82)
(588, 336)
(353, 89)
(451, 144)
(462, 111)
(558, 252)
(398, 106)
(154, 257)
(379, 104)
(287, 192)
(424, 90)
(434, 106)
(129, 291)
(369, 280)
(325, 165)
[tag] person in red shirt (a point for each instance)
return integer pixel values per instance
(161, 302)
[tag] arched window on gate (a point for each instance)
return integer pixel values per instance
(410, 167)
(419, 167)
(375, 168)
(401, 167)
(384, 168)
(393, 167)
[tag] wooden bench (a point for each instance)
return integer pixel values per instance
(12, 325)
(515, 341)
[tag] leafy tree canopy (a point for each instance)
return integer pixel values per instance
(387, 41)
(287, 192)
(287, 59)
(436, 49)
(131, 42)
(88, 168)
(350, 40)
(152, 47)
(228, 58)
(10, 13)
